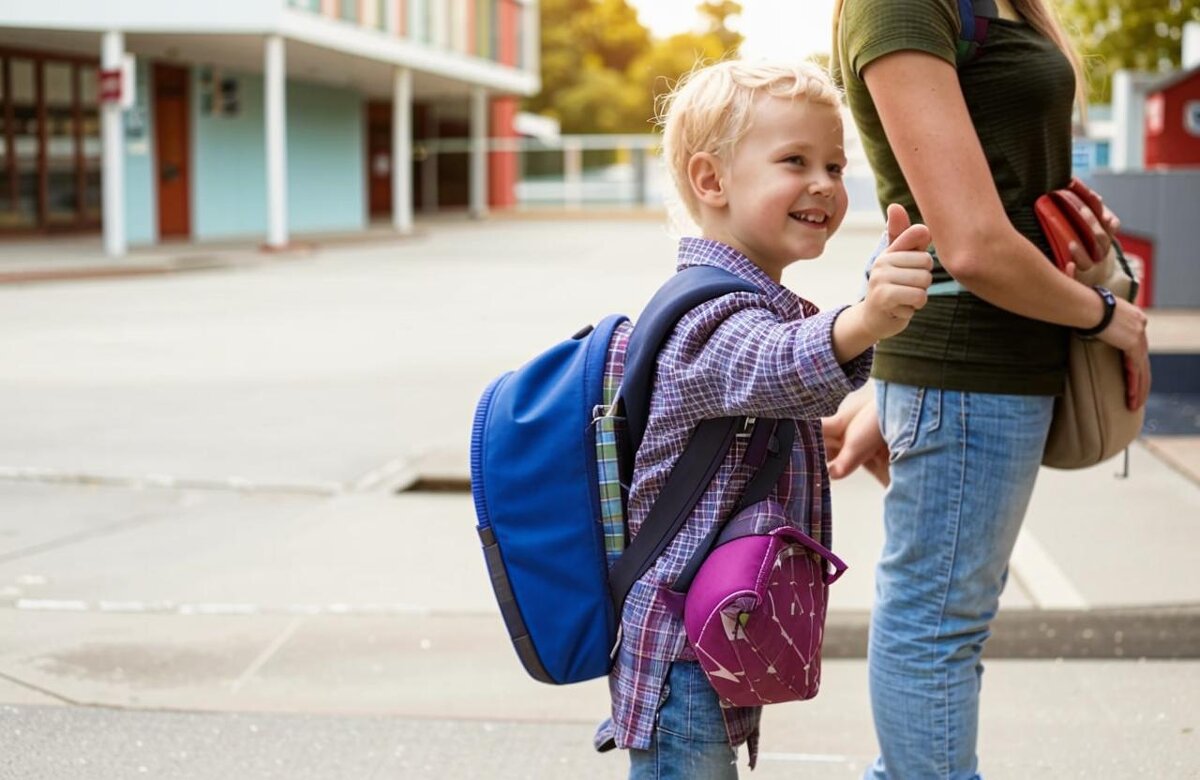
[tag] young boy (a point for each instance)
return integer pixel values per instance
(755, 152)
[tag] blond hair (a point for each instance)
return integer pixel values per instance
(710, 110)
(1039, 14)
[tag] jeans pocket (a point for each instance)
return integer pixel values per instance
(689, 708)
(905, 413)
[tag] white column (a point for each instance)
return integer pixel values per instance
(531, 61)
(1191, 45)
(112, 161)
(276, 122)
(402, 210)
(479, 170)
(1128, 117)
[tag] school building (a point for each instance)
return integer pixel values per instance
(150, 121)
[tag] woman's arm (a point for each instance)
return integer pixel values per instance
(929, 129)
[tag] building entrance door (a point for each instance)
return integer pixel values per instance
(49, 142)
(173, 150)
(379, 158)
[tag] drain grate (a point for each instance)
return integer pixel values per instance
(1172, 414)
(436, 484)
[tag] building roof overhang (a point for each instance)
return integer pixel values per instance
(319, 49)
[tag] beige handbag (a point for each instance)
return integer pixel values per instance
(1091, 421)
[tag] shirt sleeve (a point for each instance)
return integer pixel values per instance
(871, 29)
(745, 360)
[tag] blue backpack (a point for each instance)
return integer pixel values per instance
(537, 484)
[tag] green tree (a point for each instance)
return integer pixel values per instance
(602, 71)
(1142, 35)
(611, 29)
(716, 14)
(587, 46)
(658, 70)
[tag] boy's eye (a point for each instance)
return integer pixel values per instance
(795, 159)
(835, 170)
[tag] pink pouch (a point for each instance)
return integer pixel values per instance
(755, 615)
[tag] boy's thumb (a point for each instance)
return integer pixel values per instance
(897, 221)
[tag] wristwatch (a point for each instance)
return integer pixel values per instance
(1110, 306)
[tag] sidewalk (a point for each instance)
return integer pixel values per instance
(77, 258)
(199, 516)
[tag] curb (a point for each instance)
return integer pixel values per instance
(85, 272)
(1130, 633)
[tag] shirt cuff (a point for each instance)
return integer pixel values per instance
(848, 377)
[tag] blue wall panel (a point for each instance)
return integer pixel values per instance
(229, 174)
(325, 159)
(141, 199)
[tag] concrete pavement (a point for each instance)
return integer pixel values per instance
(202, 549)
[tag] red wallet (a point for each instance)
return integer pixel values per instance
(1073, 214)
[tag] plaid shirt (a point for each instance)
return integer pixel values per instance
(761, 355)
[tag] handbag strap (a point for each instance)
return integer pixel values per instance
(778, 452)
(689, 479)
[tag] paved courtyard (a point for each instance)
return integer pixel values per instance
(205, 569)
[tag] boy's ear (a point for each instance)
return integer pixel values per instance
(706, 177)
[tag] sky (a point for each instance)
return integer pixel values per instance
(773, 28)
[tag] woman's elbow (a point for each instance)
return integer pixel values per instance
(973, 256)
(964, 266)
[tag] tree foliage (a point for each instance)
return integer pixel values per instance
(602, 71)
(1144, 35)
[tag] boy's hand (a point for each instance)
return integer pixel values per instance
(899, 278)
(853, 439)
(896, 288)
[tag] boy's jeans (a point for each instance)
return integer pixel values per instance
(690, 741)
(963, 468)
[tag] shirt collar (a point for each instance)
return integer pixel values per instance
(703, 251)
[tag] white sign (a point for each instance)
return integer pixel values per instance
(1191, 117)
(128, 82)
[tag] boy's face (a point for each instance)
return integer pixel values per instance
(784, 191)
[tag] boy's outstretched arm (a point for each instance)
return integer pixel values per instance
(895, 291)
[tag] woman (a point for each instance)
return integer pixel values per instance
(966, 137)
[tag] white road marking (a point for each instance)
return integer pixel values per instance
(266, 654)
(165, 481)
(216, 609)
(53, 605)
(1046, 583)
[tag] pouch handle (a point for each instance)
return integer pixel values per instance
(799, 537)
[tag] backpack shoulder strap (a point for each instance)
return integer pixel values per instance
(973, 28)
(683, 292)
(710, 441)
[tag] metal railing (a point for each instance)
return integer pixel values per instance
(589, 171)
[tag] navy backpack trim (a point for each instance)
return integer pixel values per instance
(974, 19)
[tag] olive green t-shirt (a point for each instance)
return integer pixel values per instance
(1019, 91)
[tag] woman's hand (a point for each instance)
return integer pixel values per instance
(853, 438)
(1127, 332)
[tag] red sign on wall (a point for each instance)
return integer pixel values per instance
(110, 86)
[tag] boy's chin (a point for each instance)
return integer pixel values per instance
(809, 253)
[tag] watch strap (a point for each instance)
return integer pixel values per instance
(1110, 306)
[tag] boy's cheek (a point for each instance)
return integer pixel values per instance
(843, 205)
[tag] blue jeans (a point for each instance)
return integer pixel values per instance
(690, 741)
(963, 468)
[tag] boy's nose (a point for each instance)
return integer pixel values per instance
(822, 185)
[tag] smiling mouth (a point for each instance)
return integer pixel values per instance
(814, 218)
